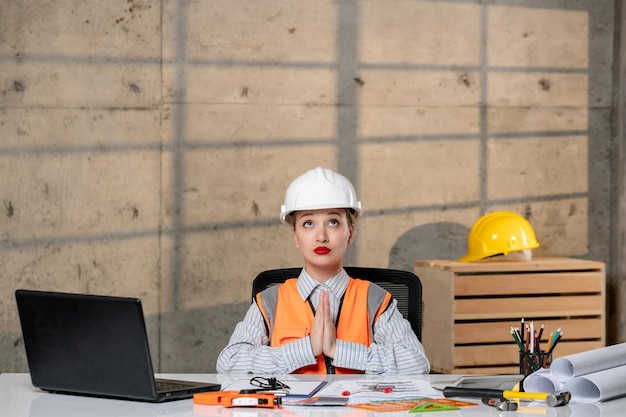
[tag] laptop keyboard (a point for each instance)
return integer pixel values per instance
(164, 386)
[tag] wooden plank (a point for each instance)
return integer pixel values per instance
(494, 308)
(497, 355)
(437, 299)
(493, 332)
(529, 283)
(536, 264)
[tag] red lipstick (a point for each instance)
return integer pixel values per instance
(321, 250)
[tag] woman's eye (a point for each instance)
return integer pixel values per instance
(307, 223)
(333, 222)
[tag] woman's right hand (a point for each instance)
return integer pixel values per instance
(317, 330)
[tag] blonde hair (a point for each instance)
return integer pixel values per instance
(351, 215)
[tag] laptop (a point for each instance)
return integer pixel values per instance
(93, 345)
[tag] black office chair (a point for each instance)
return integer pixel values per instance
(404, 286)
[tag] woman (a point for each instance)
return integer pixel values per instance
(323, 321)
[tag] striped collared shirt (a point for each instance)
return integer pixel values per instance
(309, 288)
(395, 348)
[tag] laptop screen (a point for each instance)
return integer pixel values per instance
(86, 344)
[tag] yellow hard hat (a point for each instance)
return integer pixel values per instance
(498, 233)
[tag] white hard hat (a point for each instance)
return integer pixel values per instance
(319, 188)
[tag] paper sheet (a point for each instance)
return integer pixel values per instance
(365, 389)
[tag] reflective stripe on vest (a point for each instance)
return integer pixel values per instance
(288, 317)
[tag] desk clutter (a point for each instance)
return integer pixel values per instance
(410, 395)
(590, 377)
(20, 399)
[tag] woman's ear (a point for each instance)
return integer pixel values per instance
(352, 234)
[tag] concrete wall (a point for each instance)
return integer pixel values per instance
(145, 145)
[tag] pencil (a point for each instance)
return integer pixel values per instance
(558, 334)
(539, 336)
(516, 331)
(515, 337)
(527, 330)
(549, 341)
(558, 339)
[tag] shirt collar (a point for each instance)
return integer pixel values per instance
(336, 285)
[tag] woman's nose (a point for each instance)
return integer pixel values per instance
(322, 237)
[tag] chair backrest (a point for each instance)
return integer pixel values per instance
(404, 286)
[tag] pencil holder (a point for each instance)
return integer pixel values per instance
(532, 362)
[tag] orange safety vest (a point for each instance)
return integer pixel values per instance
(288, 317)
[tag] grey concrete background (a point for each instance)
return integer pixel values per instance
(145, 145)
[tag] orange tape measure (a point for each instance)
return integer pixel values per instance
(236, 399)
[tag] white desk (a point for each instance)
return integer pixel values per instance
(18, 398)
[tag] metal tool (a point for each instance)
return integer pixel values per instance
(551, 399)
(502, 404)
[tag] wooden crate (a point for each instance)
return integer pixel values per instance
(469, 309)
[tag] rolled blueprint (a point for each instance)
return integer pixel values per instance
(598, 386)
(541, 381)
(568, 367)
